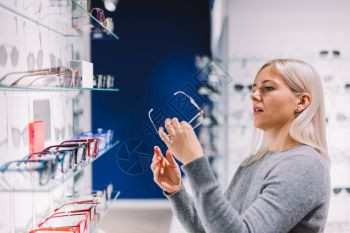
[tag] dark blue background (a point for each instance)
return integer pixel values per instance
(154, 58)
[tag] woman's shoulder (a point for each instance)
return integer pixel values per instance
(302, 169)
(301, 157)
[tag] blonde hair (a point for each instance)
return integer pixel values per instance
(309, 126)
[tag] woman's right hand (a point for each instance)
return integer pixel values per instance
(166, 172)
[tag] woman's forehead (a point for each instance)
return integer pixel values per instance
(268, 74)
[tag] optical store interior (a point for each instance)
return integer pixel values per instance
(85, 84)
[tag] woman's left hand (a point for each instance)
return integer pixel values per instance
(181, 140)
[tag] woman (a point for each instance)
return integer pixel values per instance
(283, 186)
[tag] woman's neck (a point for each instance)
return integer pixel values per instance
(279, 140)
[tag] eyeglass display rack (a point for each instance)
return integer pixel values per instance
(49, 88)
(84, 15)
(27, 181)
(114, 197)
(109, 203)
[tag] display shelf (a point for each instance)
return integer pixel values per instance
(109, 205)
(102, 29)
(75, 30)
(95, 224)
(26, 181)
(48, 88)
(307, 58)
(37, 21)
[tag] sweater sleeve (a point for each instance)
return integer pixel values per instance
(185, 210)
(291, 190)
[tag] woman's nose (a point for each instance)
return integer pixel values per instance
(255, 95)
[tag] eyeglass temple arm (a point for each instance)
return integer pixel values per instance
(191, 99)
(58, 146)
(87, 140)
(36, 153)
(149, 116)
(46, 74)
(5, 166)
(29, 72)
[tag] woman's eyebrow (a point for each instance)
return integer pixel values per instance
(265, 81)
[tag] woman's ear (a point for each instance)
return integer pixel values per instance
(304, 100)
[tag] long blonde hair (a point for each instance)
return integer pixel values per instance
(309, 126)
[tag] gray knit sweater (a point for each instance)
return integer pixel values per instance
(286, 191)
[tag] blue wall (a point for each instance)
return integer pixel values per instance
(153, 58)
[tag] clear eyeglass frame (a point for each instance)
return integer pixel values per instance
(198, 118)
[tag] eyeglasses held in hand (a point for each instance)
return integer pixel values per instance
(197, 119)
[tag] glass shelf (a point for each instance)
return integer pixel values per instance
(110, 202)
(28, 181)
(101, 31)
(82, 20)
(306, 58)
(95, 224)
(37, 21)
(33, 88)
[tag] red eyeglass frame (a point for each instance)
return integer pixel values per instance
(88, 141)
(73, 229)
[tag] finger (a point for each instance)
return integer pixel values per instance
(156, 158)
(154, 164)
(156, 173)
(163, 162)
(158, 152)
(165, 138)
(161, 169)
(184, 123)
(166, 162)
(169, 127)
(176, 124)
(170, 157)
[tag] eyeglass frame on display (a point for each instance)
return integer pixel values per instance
(76, 147)
(46, 73)
(102, 19)
(240, 87)
(89, 141)
(43, 166)
(334, 52)
(75, 228)
(59, 156)
(337, 190)
(199, 114)
(92, 210)
(107, 22)
(55, 161)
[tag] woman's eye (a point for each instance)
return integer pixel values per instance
(268, 88)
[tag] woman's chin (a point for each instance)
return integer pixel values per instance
(258, 125)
